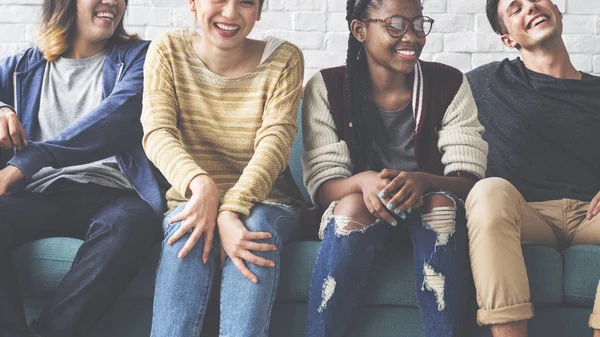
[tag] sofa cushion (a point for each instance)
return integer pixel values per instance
(43, 263)
(581, 275)
(545, 272)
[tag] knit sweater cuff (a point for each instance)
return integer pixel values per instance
(238, 206)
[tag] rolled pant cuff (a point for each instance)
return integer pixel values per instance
(513, 313)
(595, 321)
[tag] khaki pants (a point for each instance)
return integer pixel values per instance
(499, 221)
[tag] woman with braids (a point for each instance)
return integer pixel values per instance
(219, 119)
(390, 140)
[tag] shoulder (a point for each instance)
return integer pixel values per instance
(488, 71)
(287, 53)
(169, 42)
(25, 59)
(315, 86)
(443, 74)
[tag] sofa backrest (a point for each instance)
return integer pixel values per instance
(295, 159)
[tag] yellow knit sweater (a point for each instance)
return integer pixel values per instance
(237, 130)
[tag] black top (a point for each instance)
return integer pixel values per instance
(543, 132)
(398, 150)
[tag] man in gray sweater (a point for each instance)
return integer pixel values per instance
(542, 118)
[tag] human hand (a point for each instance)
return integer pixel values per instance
(404, 192)
(199, 215)
(9, 176)
(237, 242)
(12, 134)
(594, 208)
(371, 183)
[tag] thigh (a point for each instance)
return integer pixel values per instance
(587, 232)
(540, 223)
(31, 216)
(279, 220)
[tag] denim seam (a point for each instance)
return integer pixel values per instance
(276, 283)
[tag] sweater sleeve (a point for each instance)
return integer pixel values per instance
(162, 140)
(460, 141)
(273, 143)
(325, 156)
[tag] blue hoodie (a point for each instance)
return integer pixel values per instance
(113, 128)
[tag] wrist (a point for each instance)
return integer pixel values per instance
(200, 183)
(426, 180)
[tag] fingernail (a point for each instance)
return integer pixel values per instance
(271, 264)
(397, 211)
(409, 210)
(254, 280)
(394, 223)
(204, 260)
(381, 195)
(390, 206)
(403, 217)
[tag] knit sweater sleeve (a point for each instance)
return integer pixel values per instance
(162, 140)
(460, 137)
(273, 144)
(325, 156)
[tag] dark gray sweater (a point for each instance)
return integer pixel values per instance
(543, 132)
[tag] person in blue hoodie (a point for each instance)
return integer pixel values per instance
(73, 164)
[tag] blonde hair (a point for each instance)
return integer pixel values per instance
(58, 27)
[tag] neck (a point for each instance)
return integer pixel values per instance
(82, 48)
(390, 90)
(551, 59)
(218, 60)
(386, 81)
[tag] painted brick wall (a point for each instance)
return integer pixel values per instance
(461, 35)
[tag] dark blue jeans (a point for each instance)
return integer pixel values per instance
(343, 266)
(118, 229)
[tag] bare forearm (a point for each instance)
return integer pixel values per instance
(336, 189)
(457, 185)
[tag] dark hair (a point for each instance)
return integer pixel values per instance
(360, 139)
(57, 28)
(366, 130)
(491, 9)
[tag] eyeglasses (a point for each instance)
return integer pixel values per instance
(397, 25)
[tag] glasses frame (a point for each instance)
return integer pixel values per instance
(388, 22)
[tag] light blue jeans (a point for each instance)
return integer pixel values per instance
(183, 286)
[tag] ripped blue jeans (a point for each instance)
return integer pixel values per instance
(343, 265)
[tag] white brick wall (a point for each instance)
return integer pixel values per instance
(461, 35)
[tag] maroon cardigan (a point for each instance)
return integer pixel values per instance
(435, 86)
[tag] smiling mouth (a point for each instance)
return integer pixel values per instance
(105, 15)
(227, 28)
(406, 52)
(537, 21)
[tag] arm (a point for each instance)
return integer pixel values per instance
(326, 161)
(102, 132)
(162, 139)
(273, 141)
(7, 69)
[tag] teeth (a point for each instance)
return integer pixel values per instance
(537, 21)
(227, 27)
(407, 52)
(105, 15)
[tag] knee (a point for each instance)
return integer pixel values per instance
(490, 189)
(127, 224)
(353, 206)
(435, 201)
(351, 215)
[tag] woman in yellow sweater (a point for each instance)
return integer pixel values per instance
(219, 120)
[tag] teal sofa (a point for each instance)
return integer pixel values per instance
(563, 286)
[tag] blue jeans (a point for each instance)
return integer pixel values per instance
(342, 270)
(183, 286)
(118, 229)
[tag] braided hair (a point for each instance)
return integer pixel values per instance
(359, 107)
